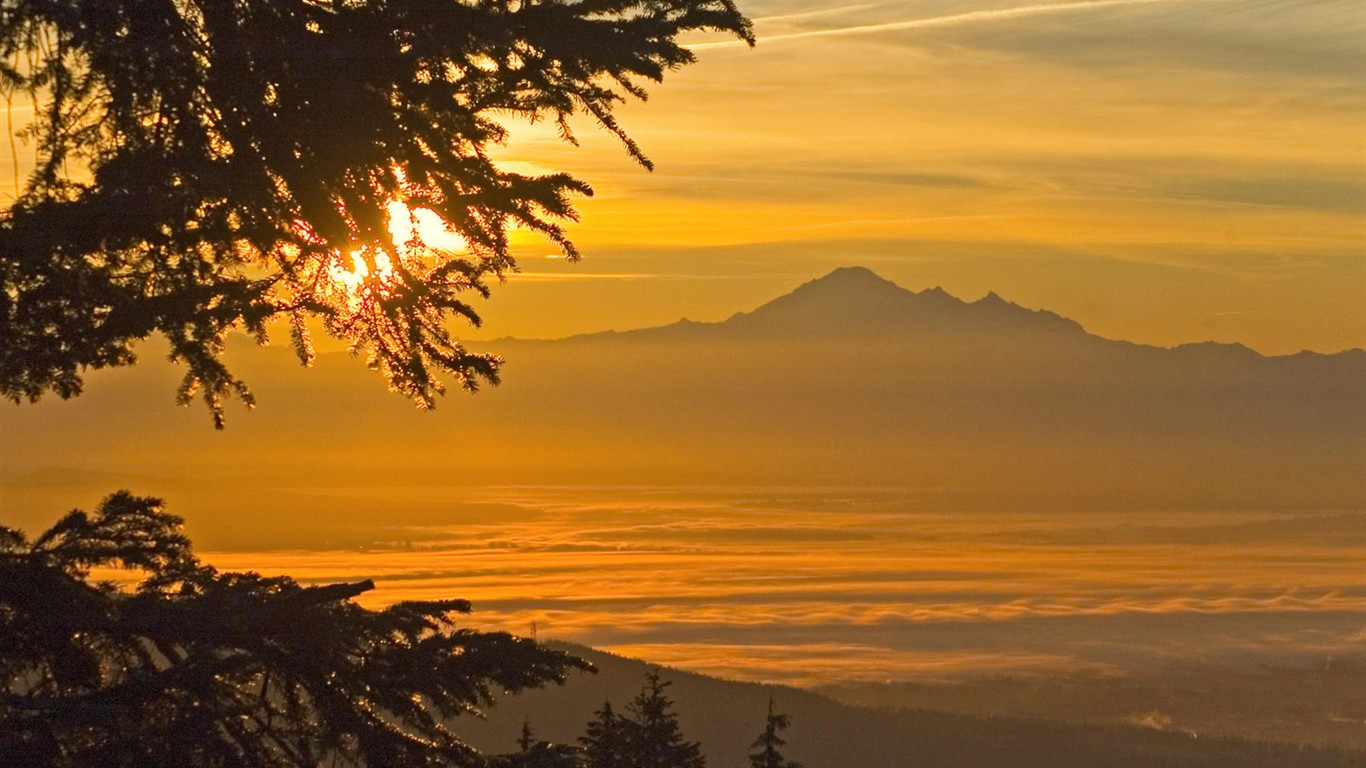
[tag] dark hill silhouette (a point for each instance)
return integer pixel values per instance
(726, 715)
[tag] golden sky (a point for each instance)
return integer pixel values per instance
(1162, 171)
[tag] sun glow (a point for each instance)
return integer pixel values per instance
(353, 278)
(422, 227)
(415, 233)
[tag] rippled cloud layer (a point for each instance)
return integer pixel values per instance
(828, 587)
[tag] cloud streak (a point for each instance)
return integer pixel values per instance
(553, 277)
(821, 12)
(950, 20)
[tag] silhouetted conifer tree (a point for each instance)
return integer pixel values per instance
(526, 740)
(199, 668)
(654, 736)
(538, 754)
(606, 742)
(767, 746)
(541, 755)
(204, 166)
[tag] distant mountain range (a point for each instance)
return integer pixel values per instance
(853, 302)
(851, 379)
(847, 380)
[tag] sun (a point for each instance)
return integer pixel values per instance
(416, 233)
(422, 227)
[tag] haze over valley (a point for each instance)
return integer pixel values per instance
(897, 497)
(847, 380)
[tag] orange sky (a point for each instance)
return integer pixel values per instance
(1163, 171)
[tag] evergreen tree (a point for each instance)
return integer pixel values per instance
(208, 165)
(526, 741)
(606, 741)
(542, 754)
(655, 738)
(767, 746)
(538, 754)
(199, 668)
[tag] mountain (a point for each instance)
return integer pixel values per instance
(853, 302)
(725, 716)
(850, 379)
(847, 380)
(852, 312)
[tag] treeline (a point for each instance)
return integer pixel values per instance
(647, 736)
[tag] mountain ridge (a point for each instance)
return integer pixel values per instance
(1050, 416)
(860, 292)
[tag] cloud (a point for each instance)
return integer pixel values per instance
(798, 180)
(950, 20)
(813, 14)
(1307, 191)
(555, 277)
(811, 664)
(1324, 42)
(911, 179)
(724, 581)
(1322, 187)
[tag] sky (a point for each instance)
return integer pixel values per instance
(1162, 171)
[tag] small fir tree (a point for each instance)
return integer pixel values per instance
(766, 752)
(656, 740)
(527, 740)
(606, 743)
(538, 754)
(542, 754)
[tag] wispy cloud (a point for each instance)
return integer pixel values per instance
(950, 20)
(555, 277)
(816, 14)
(811, 664)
